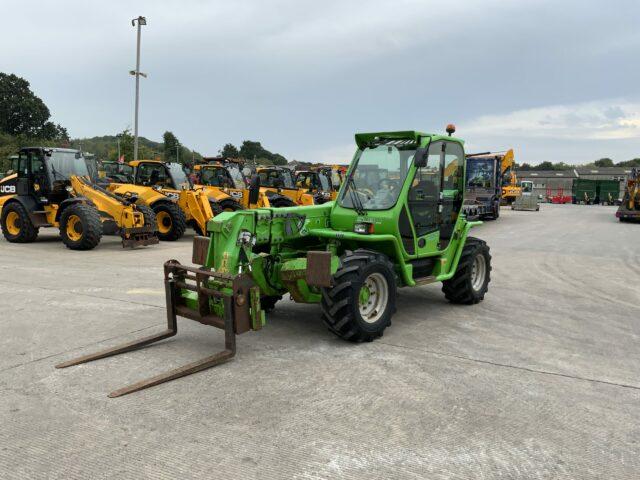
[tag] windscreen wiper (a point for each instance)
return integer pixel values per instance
(355, 198)
(57, 174)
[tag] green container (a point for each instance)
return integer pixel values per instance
(584, 191)
(608, 191)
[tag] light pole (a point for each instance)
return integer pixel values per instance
(118, 138)
(137, 73)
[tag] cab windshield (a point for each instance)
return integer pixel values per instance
(180, 179)
(65, 164)
(237, 176)
(324, 182)
(376, 178)
(276, 179)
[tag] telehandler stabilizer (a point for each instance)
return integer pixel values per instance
(397, 222)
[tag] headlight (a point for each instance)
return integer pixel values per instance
(363, 228)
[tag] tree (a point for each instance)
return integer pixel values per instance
(278, 159)
(24, 113)
(543, 166)
(603, 162)
(171, 147)
(229, 151)
(53, 131)
(250, 150)
(629, 163)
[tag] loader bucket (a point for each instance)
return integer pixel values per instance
(139, 237)
(228, 302)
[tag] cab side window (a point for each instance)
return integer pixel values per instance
(37, 166)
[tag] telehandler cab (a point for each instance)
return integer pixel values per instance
(166, 189)
(397, 222)
(52, 189)
(317, 183)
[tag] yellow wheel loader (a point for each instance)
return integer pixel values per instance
(51, 188)
(279, 180)
(166, 189)
(275, 186)
(317, 183)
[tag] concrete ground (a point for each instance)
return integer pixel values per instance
(538, 381)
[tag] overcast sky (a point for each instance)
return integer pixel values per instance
(555, 80)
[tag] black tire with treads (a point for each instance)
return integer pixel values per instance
(27, 233)
(340, 307)
(281, 202)
(459, 289)
(149, 216)
(229, 205)
(178, 221)
(90, 226)
(268, 303)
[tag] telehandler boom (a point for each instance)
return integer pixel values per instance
(397, 222)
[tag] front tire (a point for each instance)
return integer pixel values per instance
(471, 280)
(16, 224)
(360, 304)
(149, 216)
(282, 202)
(268, 302)
(170, 220)
(230, 205)
(80, 227)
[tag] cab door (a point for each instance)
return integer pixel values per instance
(33, 178)
(424, 200)
(451, 190)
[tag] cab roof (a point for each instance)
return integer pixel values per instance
(400, 138)
(53, 149)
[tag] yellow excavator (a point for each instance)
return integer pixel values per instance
(52, 188)
(166, 189)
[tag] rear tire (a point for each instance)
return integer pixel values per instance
(16, 224)
(80, 227)
(471, 280)
(170, 220)
(360, 304)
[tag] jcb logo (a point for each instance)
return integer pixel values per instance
(236, 194)
(7, 189)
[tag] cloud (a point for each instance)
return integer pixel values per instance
(596, 120)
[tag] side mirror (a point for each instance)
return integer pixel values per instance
(254, 189)
(420, 158)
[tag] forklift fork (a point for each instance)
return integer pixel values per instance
(235, 320)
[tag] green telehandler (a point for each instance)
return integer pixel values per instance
(397, 222)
